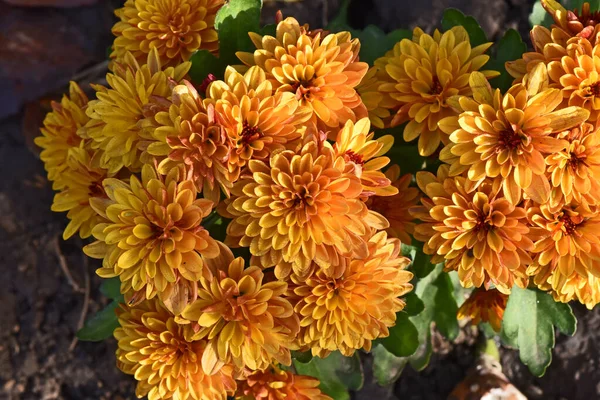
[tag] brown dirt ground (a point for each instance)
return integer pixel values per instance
(40, 310)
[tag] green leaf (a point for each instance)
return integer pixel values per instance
(436, 292)
(386, 366)
(539, 16)
(528, 324)
(204, 63)
(302, 356)
(460, 293)
(233, 22)
(101, 325)
(374, 43)
(421, 265)
(511, 47)
(339, 23)
(453, 17)
(337, 374)
(111, 288)
(403, 340)
(414, 305)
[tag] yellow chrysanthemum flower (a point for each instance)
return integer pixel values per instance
(153, 238)
(574, 172)
(477, 232)
(506, 137)
(566, 243)
(321, 70)
(358, 148)
(277, 384)
(396, 208)
(346, 307)
(257, 120)
(372, 98)
(577, 75)
(245, 319)
(300, 207)
(175, 28)
(189, 135)
(80, 182)
(585, 289)
(59, 133)
(422, 74)
(155, 350)
(484, 306)
(123, 116)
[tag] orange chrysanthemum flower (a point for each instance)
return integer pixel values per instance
(189, 135)
(477, 232)
(585, 289)
(372, 98)
(277, 384)
(507, 137)
(575, 170)
(300, 207)
(245, 319)
(396, 208)
(347, 306)
(257, 120)
(321, 70)
(365, 155)
(577, 76)
(484, 306)
(155, 350)
(152, 238)
(175, 28)
(80, 183)
(422, 74)
(566, 243)
(59, 133)
(572, 22)
(123, 116)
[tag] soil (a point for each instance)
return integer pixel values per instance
(41, 308)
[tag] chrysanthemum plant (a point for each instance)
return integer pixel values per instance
(271, 202)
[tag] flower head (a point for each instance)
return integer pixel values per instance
(123, 116)
(484, 306)
(152, 238)
(277, 384)
(507, 137)
(577, 75)
(299, 207)
(582, 24)
(396, 208)
(80, 183)
(245, 319)
(188, 135)
(358, 148)
(321, 70)
(175, 28)
(155, 350)
(59, 133)
(566, 242)
(257, 119)
(346, 307)
(422, 74)
(575, 170)
(477, 232)
(585, 289)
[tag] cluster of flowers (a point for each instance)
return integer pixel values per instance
(516, 199)
(282, 149)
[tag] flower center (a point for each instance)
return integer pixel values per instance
(569, 226)
(575, 161)
(509, 139)
(250, 133)
(351, 156)
(436, 87)
(594, 89)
